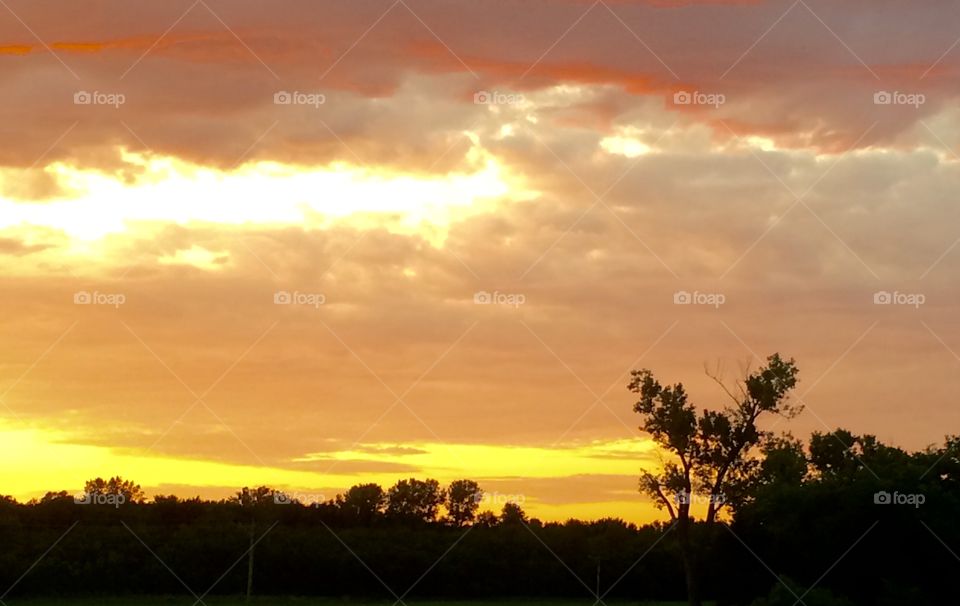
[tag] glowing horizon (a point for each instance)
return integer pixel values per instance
(241, 244)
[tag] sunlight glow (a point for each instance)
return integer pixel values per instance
(624, 146)
(195, 256)
(44, 459)
(167, 190)
(627, 142)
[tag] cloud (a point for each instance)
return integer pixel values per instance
(17, 248)
(348, 467)
(796, 198)
(804, 75)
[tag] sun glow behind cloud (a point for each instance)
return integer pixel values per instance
(169, 190)
(45, 459)
(627, 142)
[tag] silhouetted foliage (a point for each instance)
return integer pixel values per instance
(463, 501)
(512, 515)
(362, 504)
(815, 524)
(131, 492)
(712, 452)
(415, 500)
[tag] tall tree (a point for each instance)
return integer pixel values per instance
(710, 451)
(512, 514)
(463, 501)
(415, 500)
(362, 503)
(131, 491)
(255, 502)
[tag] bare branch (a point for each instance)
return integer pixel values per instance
(666, 501)
(718, 379)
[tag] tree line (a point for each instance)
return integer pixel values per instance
(751, 518)
(408, 501)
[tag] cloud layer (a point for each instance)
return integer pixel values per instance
(311, 232)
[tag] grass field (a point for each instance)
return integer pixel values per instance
(292, 601)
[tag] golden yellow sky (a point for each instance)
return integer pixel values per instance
(312, 245)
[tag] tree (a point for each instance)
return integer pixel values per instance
(710, 451)
(131, 491)
(415, 500)
(784, 462)
(255, 501)
(362, 503)
(53, 497)
(463, 501)
(839, 453)
(259, 496)
(485, 519)
(512, 514)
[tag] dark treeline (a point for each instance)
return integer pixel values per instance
(755, 519)
(865, 522)
(366, 542)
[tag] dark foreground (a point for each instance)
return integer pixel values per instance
(293, 601)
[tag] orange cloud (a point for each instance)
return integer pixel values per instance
(15, 49)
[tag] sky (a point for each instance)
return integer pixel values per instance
(314, 244)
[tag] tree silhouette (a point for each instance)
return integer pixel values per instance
(131, 491)
(362, 503)
(415, 499)
(51, 496)
(512, 514)
(256, 503)
(711, 452)
(485, 519)
(803, 505)
(784, 462)
(463, 501)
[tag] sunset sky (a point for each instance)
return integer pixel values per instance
(313, 244)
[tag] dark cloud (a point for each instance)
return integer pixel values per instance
(398, 95)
